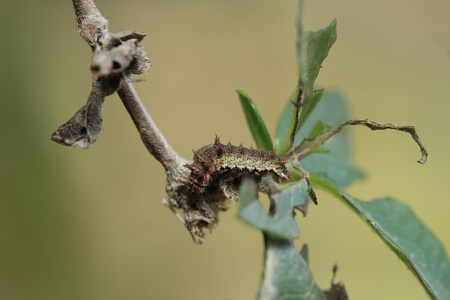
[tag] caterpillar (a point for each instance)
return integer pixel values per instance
(213, 162)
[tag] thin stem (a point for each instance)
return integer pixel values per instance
(152, 138)
(298, 108)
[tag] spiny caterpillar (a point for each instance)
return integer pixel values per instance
(219, 161)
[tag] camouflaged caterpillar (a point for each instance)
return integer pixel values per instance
(215, 162)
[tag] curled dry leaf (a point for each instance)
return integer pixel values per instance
(116, 57)
(83, 128)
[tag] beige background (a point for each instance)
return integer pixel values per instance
(89, 224)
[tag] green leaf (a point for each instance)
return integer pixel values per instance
(286, 274)
(281, 224)
(332, 167)
(336, 165)
(405, 234)
(331, 160)
(304, 252)
(318, 128)
(286, 123)
(285, 127)
(309, 107)
(255, 122)
(312, 49)
(313, 144)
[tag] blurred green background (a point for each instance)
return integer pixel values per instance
(89, 224)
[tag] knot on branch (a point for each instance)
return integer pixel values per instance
(120, 52)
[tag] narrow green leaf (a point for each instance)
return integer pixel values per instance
(286, 274)
(282, 224)
(318, 128)
(309, 107)
(405, 234)
(255, 122)
(310, 143)
(285, 127)
(286, 123)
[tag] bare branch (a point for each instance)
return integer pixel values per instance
(150, 134)
(307, 146)
(91, 25)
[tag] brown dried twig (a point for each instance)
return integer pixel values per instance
(307, 146)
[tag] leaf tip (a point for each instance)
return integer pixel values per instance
(424, 157)
(241, 93)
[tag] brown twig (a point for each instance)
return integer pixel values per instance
(152, 138)
(307, 146)
(91, 25)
